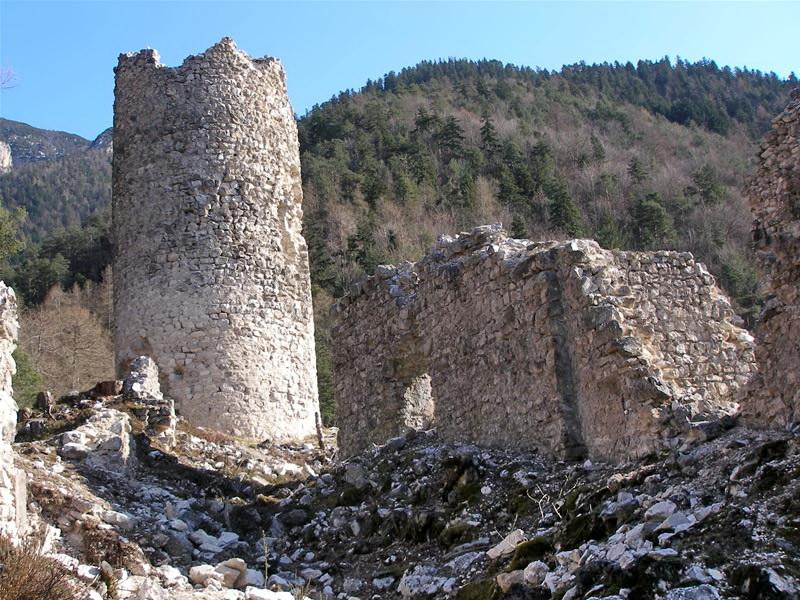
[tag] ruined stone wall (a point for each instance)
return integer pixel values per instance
(211, 271)
(774, 194)
(12, 480)
(562, 347)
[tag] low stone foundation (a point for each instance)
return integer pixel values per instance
(774, 193)
(12, 481)
(561, 347)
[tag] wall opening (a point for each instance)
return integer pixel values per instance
(417, 405)
(413, 392)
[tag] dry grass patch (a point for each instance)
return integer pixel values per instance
(27, 574)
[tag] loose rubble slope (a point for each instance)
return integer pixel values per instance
(415, 518)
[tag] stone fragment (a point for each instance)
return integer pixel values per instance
(45, 402)
(229, 575)
(535, 573)
(383, 583)
(507, 545)
(259, 594)
(506, 580)
(254, 578)
(676, 522)
(170, 576)
(226, 538)
(204, 574)
(121, 520)
(462, 562)
(108, 388)
(423, 581)
(700, 592)
(74, 451)
(660, 511)
(238, 577)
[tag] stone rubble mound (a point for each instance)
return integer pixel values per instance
(419, 517)
(108, 490)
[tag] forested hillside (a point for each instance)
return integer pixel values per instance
(646, 156)
(643, 156)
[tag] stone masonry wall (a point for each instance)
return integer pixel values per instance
(12, 480)
(211, 274)
(562, 347)
(774, 194)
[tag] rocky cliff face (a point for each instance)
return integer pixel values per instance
(104, 142)
(30, 144)
(6, 160)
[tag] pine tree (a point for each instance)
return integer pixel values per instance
(638, 171)
(598, 151)
(706, 185)
(519, 229)
(609, 234)
(451, 138)
(424, 121)
(490, 143)
(652, 223)
(10, 221)
(562, 211)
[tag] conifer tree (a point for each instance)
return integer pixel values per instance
(652, 223)
(518, 228)
(489, 140)
(451, 138)
(562, 211)
(638, 171)
(598, 151)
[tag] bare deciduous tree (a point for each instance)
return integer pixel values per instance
(67, 343)
(8, 78)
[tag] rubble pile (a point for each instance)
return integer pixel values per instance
(157, 516)
(214, 517)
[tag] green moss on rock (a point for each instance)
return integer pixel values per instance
(527, 552)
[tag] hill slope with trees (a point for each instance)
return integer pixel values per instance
(639, 157)
(645, 156)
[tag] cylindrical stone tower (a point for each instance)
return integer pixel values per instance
(211, 273)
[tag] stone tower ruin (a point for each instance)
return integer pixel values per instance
(211, 273)
(774, 194)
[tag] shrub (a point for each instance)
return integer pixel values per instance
(27, 382)
(27, 574)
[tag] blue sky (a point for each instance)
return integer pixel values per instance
(64, 52)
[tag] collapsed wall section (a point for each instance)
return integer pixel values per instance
(774, 195)
(561, 347)
(12, 480)
(211, 274)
